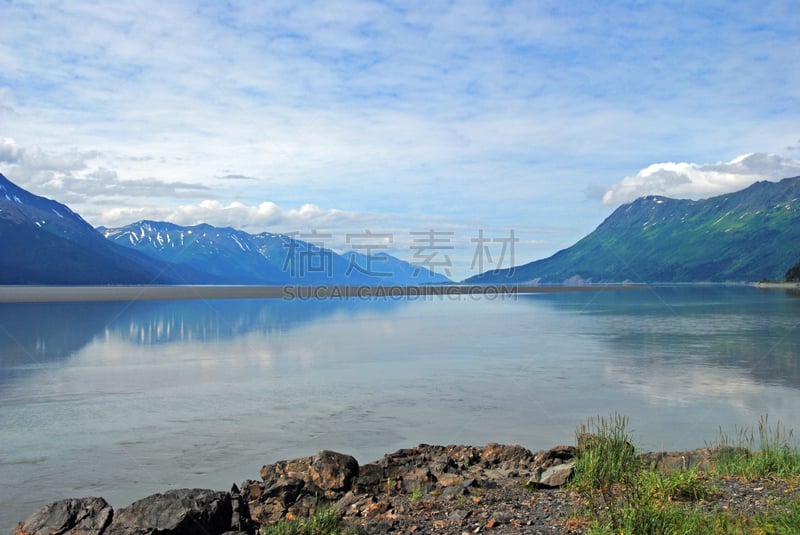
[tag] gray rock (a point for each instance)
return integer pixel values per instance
(371, 479)
(286, 490)
(298, 487)
(77, 516)
(175, 512)
(701, 458)
(556, 455)
(450, 493)
(240, 513)
(555, 476)
(332, 473)
(505, 456)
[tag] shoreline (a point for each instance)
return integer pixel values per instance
(107, 293)
(778, 285)
(452, 489)
(43, 294)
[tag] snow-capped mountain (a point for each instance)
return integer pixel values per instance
(44, 242)
(224, 252)
(237, 257)
(18, 205)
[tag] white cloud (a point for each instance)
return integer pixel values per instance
(34, 159)
(10, 152)
(663, 386)
(80, 177)
(694, 181)
(483, 113)
(27, 162)
(255, 218)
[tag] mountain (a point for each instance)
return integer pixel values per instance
(793, 274)
(749, 235)
(401, 271)
(44, 242)
(225, 253)
(237, 257)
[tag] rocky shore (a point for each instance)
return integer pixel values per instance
(426, 489)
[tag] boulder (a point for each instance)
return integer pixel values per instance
(553, 468)
(555, 476)
(175, 512)
(240, 513)
(81, 516)
(332, 473)
(505, 456)
(556, 455)
(411, 469)
(298, 487)
(371, 478)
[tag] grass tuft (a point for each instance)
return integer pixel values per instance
(767, 451)
(323, 522)
(681, 486)
(624, 496)
(605, 454)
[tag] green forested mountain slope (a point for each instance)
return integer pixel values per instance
(748, 235)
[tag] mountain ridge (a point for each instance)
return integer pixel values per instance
(744, 236)
(747, 235)
(237, 256)
(45, 242)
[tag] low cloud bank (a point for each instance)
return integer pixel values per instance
(694, 181)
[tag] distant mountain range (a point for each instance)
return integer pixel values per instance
(238, 257)
(749, 235)
(44, 242)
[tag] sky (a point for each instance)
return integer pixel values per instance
(481, 122)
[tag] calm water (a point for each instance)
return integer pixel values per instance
(122, 400)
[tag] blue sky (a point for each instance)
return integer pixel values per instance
(395, 117)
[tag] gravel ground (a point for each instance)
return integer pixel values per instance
(510, 507)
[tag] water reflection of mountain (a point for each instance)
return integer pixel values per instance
(720, 329)
(793, 292)
(31, 334)
(175, 321)
(34, 334)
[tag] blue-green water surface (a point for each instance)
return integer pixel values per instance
(122, 400)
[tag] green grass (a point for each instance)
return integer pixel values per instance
(767, 451)
(323, 522)
(622, 496)
(681, 486)
(653, 519)
(416, 493)
(605, 454)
